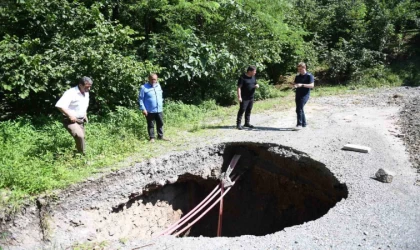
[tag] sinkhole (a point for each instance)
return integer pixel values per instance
(279, 187)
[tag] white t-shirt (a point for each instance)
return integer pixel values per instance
(75, 102)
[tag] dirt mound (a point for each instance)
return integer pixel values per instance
(410, 127)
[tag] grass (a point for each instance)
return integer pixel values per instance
(123, 240)
(36, 155)
(90, 245)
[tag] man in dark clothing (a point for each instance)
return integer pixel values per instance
(246, 89)
(303, 84)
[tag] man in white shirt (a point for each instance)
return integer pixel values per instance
(74, 104)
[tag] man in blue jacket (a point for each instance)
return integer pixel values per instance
(151, 105)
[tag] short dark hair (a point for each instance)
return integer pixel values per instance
(251, 68)
(85, 80)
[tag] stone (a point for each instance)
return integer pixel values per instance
(91, 237)
(172, 180)
(357, 148)
(384, 175)
(76, 223)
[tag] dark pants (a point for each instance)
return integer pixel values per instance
(244, 107)
(300, 103)
(151, 118)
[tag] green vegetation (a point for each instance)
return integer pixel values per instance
(91, 245)
(197, 47)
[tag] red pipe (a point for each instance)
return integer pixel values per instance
(189, 213)
(193, 214)
(219, 226)
(201, 208)
(205, 212)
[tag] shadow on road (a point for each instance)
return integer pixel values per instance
(252, 129)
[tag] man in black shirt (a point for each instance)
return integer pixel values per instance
(303, 84)
(246, 89)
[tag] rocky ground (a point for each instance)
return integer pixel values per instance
(374, 215)
(410, 128)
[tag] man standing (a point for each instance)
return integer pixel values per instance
(73, 105)
(246, 89)
(303, 84)
(151, 105)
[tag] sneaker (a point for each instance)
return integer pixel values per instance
(152, 140)
(248, 125)
(239, 127)
(298, 127)
(164, 139)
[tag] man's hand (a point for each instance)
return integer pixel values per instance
(257, 86)
(144, 112)
(72, 119)
(240, 99)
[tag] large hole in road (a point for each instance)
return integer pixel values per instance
(278, 188)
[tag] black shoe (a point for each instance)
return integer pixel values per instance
(248, 125)
(239, 127)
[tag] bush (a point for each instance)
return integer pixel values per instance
(266, 91)
(60, 42)
(376, 77)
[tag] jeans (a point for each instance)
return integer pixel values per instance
(151, 118)
(244, 107)
(300, 103)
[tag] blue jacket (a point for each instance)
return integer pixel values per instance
(150, 98)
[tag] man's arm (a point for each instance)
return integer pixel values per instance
(293, 85)
(310, 85)
(239, 89)
(63, 105)
(66, 112)
(303, 85)
(141, 103)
